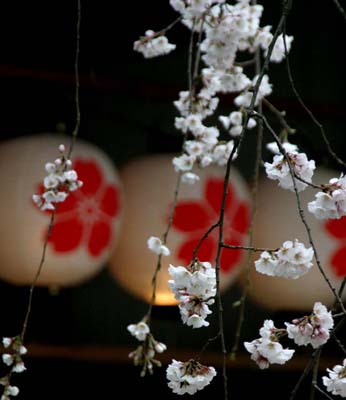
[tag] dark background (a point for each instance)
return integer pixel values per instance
(126, 109)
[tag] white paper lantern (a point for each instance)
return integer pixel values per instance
(277, 221)
(86, 226)
(149, 185)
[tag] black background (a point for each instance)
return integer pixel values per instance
(126, 109)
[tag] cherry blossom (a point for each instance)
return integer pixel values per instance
(336, 382)
(313, 329)
(155, 245)
(188, 377)
(291, 261)
(144, 354)
(280, 170)
(195, 288)
(153, 45)
(267, 350)
(331, 203)
(85, 218)
(60, 181)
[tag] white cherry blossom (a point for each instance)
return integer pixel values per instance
(155, 245)
(336, 381)
(313, 329)
(291, 260)
(188, 377)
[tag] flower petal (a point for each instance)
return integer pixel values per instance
(336, 227)
(241, 218)
(99, 238)
(230, 257)
(66, 235)
(109, 203)
(67, 205)
(90, 174)
(190, 216)
(338, 261)
(205, 253)
(214, 191)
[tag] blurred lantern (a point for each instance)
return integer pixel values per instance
(86, 225)
(277, 220)
(149, 185)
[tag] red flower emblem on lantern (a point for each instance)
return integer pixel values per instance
(337, 228)
(85, 218)
(193, 218)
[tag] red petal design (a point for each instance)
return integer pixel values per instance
(241, 219)
(110, 201)
(338, 261)
(205, 253)
(190, 216)
(66, 235)
(230, 257)
(99, 238)
(90, 174)
(336, 227)
(68, 205)
(213, 194)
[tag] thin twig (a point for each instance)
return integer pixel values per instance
(190, 60)
(341, 10)
(306, 108)
(76, 72)
(165, 237)
(305, 373)
(279, 114)
(315, 374)
(201, 240)
(249, 248)
(338, 342)
(37, 275)
(323, 392)
(73, 138)
(302, 216)
(312, 360)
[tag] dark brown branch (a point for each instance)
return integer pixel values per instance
(315, 374)
(159, 258)
(249, 248)
(340, 9)
(307, 109)
(302, 217)
(76, 72)
(323, 392)
(280, 116)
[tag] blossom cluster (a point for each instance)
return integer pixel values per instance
(195, 288)
(291, 261)
(144, 354)
(188, 377)
(153, 45)
(336, 382)
(331, 202)
(13, 358)
(60, 181)
(155, 245)
(313, 329)
(280, 170)
(225, 30)
(267, 349)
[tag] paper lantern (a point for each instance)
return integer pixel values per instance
(86, 226)
(278, 220)
(149, 185)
